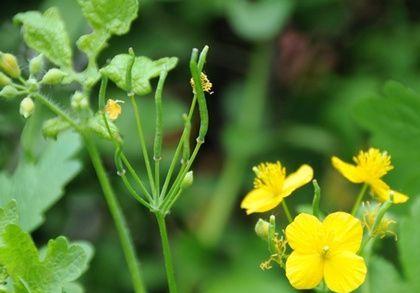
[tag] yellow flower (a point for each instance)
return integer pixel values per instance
(271, 185)
(370, 167)
(326, 251)
(113, 108)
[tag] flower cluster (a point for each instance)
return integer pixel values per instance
(324, 251)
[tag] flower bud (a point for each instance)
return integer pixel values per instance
(79, 101)
(262, 228)
(9, 92)
(53, 76)
(27, 107)
(4, 79)
(188, 180)
(36, 64)
(9, 64)
(32, 85)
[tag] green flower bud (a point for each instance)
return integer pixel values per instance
(9, 64)
(188, 180)
(4, 79)
(79, 101)
(36, 64)
(262, 228)
(32, 85)
(53, 76)
(27, 107)
(9, 92)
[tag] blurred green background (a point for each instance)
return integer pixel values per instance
(295, 81)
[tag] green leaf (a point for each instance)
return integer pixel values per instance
(393, 119)
(113, 16)
(63, 262)
(51, 128)
(409, 243)
(144, 69)
(46, 34)
(259, 20)
(36, 187)
(93, 43)
(97, 125)
(383, 277)
(8, 215)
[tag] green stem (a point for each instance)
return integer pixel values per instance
(57, 110)
(250, 118)
(166, 253)
(286, 211)
(359, 199)
(116, 212)
(143, 143)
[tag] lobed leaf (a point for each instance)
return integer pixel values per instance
(144, 69)
(46, 33)
(30, 272)
(36, 187)
(113, 16)
(8, 215)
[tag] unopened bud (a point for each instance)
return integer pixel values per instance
(262, 229)
(9, 92)
(9, 64)
(79, 101)
(53, 76)
(188, 180)
(36, 64)
(4, 79)
(27, 107)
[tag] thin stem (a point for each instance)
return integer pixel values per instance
(118, 216)
(57, 110)
(359, 199)
(143, 143)
(177, 151)
(286, 211)
(157, 146)
(166, 253)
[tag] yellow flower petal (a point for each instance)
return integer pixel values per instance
(304, 234)
(260, 200)
(344, 272)
(351, 172)
(295, 180)
(383, 192)
(304, 271)
(343, 232)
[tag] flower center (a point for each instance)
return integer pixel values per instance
(325, 249)
(270, 176)
(373, 163)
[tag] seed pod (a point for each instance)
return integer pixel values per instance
(9, 64)
(53, 76)
(27, 107)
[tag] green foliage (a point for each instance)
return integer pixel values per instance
(63, 263)
(394, 122)
(259, 20)
(8, 215)
(144, 69)
(113, 16)
(409, 243)
(37, 186)
(46, 34)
